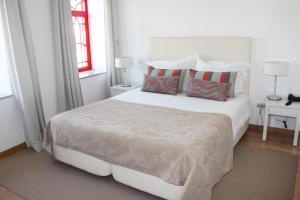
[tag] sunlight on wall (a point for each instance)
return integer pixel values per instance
(97, 34)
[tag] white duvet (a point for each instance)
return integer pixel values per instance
(237, 108)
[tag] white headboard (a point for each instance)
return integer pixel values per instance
(230, 49)
(227, 49)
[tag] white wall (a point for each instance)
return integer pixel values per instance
(11, 124)
(273, 24)
(94, 88)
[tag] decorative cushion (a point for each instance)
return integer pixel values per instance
(242, 69)
(161, 84)
(163, 72)
(152, 71)
(219, 77)
(208, 89)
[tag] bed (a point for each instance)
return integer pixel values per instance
(238, 109)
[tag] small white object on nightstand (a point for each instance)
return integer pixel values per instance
(279, 108)
(119, 89)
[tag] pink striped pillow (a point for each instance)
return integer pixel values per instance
(163, 72)
(208, 89)
(160, 84)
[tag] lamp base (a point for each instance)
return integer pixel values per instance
(274, 98)
(126, 85)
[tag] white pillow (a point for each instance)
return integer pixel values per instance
(240, 68)
(187, 63)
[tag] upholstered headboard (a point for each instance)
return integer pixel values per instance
(233, 49)
(227, 49)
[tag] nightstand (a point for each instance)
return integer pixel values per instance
(118, 89)
(280, 109)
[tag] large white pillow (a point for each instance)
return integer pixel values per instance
(187, 63)
(242, 70)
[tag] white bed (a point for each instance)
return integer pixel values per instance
(237, 108)
(215, 48)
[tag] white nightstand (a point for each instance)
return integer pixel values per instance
(279, 108)
(118, 89)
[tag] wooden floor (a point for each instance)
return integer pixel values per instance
(275, 141)
(7, 195)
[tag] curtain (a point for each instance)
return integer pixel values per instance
(109, 42)
(23, 70)
(68, 83)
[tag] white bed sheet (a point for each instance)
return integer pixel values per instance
(237, 108)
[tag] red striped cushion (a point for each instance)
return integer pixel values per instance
(219, 77)
(163, 72)
(155, 72)
(208, 89)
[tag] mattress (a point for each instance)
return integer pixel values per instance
(237, 108)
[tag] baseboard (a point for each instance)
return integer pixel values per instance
(255, 127)
(13, 150)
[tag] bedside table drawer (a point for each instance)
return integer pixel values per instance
(289, 112)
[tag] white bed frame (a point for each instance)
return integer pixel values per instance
(232, 49)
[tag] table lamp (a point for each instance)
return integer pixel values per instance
(124, 63)
(276, 68)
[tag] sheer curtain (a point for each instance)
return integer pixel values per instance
(68, 83)
(23, 69)
(109, 37)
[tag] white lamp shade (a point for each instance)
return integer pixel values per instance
(123, 63)
(276, 68)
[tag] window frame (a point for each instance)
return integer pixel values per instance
(85, 15)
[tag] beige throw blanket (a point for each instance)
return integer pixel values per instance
(181, 147)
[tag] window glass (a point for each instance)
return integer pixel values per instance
(81, 32)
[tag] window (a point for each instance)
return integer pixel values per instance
(5, 88)
(82, 36)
